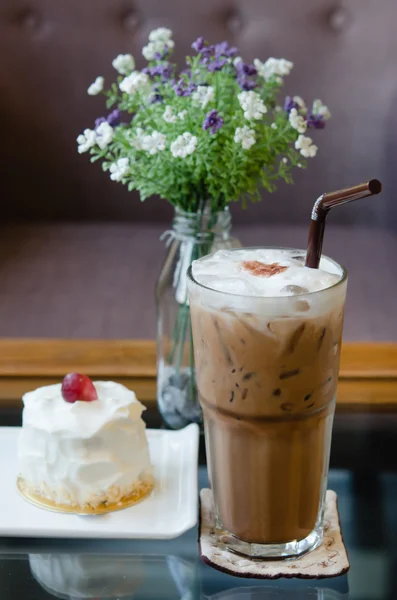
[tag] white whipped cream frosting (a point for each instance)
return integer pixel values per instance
(83, 452)
(224, 271)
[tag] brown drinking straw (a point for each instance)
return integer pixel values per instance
(321, 208)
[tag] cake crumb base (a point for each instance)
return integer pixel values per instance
(139, 493)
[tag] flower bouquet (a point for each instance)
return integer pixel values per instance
(201, 138)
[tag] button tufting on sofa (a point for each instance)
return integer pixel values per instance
(31, 20)
(234, 22)
(130, 20)
(339, 18)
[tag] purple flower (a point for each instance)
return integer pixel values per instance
(315, 121)
(182, 88)
(217, 64)
(163, 70)
(244, 71)
(199, 44)
(223, 49)
(114, 117)
(155, 98)
(289, 104)
(163, 54)
(246, 84)
(179, 89)
(187, 72)
(191, 87)
(99, 121)
(213, 121)
(243, 68)
(206, 54)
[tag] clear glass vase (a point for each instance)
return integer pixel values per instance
(193, 235)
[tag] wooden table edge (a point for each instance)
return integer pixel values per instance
(368, 374)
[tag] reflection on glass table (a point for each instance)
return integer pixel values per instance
(363, 474)
(73, 576)
(259, 593)
(127, 577)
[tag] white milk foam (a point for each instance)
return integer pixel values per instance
(225, 271)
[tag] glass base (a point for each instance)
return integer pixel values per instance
(228, 541)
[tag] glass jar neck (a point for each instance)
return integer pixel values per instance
(203, 226)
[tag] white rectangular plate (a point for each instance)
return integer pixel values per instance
(170, 510)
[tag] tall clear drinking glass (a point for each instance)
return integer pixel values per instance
(267, 371)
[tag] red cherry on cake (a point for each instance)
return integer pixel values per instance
(76, 387)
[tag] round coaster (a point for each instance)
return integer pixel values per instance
(101, 509)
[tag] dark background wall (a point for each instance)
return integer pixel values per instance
(344, 53)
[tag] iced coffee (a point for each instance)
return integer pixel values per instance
(267, 334)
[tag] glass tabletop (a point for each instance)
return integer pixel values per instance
(363, 473)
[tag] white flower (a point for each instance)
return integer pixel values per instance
(252, 105)
(258, 64)
(273, 126)
(299, 165)
(297, 121)
(156, 47)
(152, 49)
(153, 142)
(203, 95)
(306, 146)
(136, 138)
(321, 109)
(181, 115)
(237, 60)
(183, 145)
(159, 41)
(169, 116)
(119, 169)
(96, 87)
(124, 64)
(285, 160)
(162, 34)
(135, 82)
(245, 136)
(104, 135)
(273, 67)
(86, 140)
(300, 102)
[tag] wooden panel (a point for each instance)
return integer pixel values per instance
(367, 395)
(45, 357)
(368, 376)
(137, 358)
(369, 360)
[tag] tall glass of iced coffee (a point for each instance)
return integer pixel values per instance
(267, 335)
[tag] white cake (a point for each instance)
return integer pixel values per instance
(84, 453)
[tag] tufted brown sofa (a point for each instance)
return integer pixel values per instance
(79, 255)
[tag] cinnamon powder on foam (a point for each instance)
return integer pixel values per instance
(260, 269)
